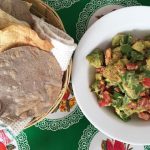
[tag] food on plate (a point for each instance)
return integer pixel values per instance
(122, 76)
(30, 80)
(18, 9)
(7, 20)
(16, 35)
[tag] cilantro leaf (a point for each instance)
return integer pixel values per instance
(136, 56)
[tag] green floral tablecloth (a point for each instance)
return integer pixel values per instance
(71, 130)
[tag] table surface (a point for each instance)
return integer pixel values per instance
(71, 130)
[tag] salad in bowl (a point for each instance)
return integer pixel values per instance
(122, 78)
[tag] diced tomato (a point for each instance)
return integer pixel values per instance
(106, 101)
(144, 116)
(145, 93)
(102, 85)
(123, 70)
(132, 66)
(66, 95)
(106, 96)
(132, 105)
(119, 146)
(142, 94)
(108, 56)
(109, 144)
(103, 103)
(144, 103)
(100, 70)
(146, 82)
(2, 146)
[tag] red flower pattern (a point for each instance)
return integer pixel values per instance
(115, 145)
(2, 146)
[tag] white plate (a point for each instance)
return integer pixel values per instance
(91, 139)
(132, 19)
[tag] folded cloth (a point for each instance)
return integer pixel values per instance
(16, 126)
(64, 45)
(62, 53)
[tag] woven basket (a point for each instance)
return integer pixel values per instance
(42, 10)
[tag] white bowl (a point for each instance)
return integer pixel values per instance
(135, 20)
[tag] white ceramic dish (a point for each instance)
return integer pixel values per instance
(135, 20)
